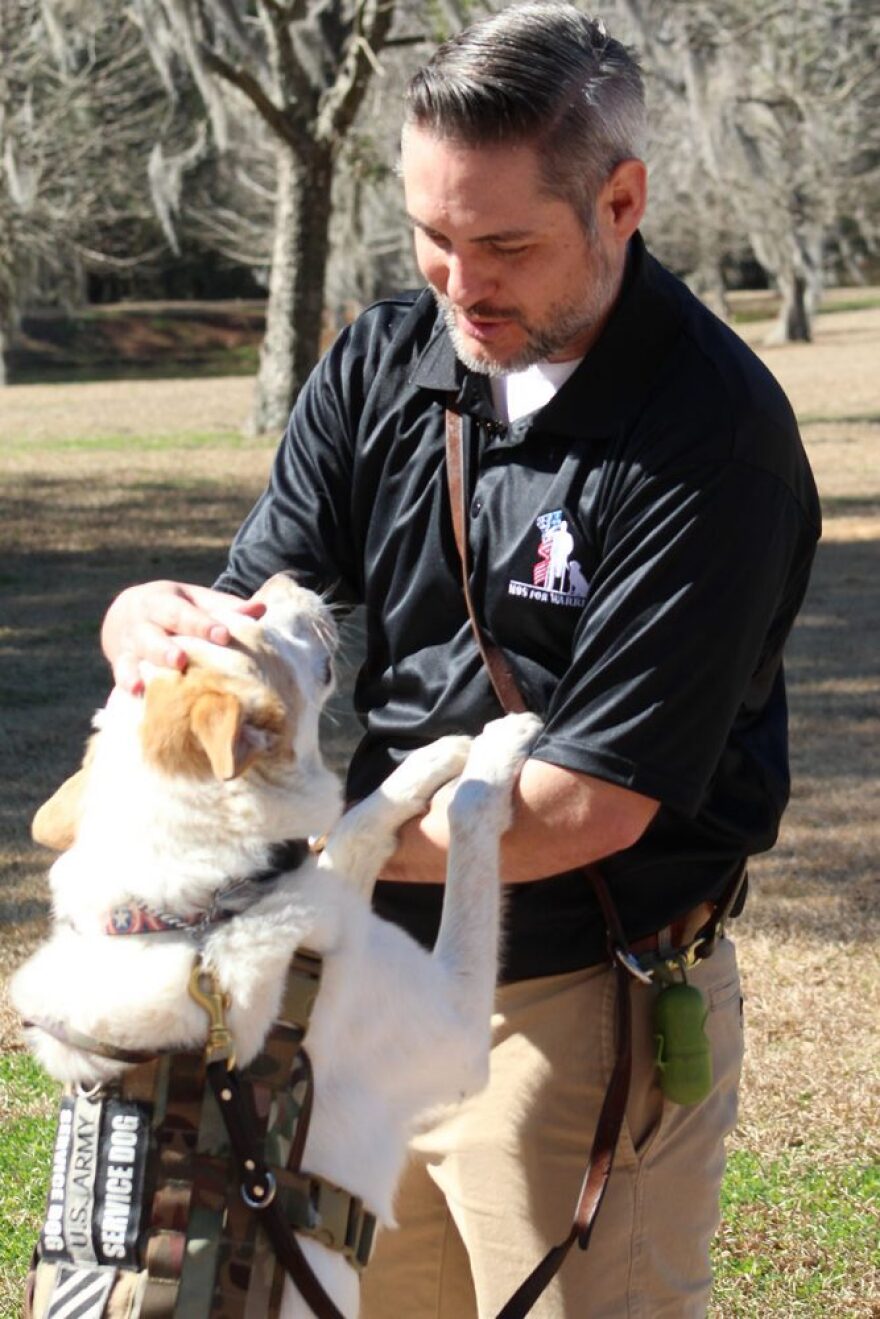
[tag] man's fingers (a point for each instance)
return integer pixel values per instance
(212, 601)
(143, 622)
(178, 616)
(193, 612)
(149, 641)
(127, 674)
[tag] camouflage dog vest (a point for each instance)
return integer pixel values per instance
(145, 1215)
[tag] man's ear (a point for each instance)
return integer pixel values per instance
(56, 822)
(622, 199)
(217, 721)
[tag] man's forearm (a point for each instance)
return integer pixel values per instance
(561, 820)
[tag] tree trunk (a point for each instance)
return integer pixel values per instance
(793, 322)
(292, 342)
(8, 284)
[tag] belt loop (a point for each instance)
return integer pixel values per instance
(664, 942)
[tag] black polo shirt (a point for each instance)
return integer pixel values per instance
(640, 547)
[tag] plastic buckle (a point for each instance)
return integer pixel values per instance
(333, 1208)
(631, 963)
(361, 1232)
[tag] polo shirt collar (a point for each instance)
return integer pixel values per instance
(610, 384)
(438, 368)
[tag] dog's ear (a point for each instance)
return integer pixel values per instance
(198, 724)
(55, 823)
(217, 720)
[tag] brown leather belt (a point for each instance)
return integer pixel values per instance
(678, 934)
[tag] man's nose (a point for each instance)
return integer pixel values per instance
(469, 280)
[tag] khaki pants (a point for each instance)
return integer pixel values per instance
(493, 1185)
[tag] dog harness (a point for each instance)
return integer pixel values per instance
(178, 1190)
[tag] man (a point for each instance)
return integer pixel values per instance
(601, 402)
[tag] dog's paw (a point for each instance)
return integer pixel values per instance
(485, 790)
(498, 753)
(425, 770)
(363, 840)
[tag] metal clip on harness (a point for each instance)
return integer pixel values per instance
(203, 988)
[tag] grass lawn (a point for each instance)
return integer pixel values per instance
(27, 1103)
(106, 483)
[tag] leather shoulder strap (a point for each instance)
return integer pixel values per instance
(500, 674)
(614, 1104)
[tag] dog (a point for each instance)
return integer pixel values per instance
(183, 795)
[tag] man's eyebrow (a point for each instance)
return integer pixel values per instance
(501, 236)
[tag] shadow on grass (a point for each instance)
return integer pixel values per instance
(831, 659)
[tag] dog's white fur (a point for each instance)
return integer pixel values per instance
(395, 1031)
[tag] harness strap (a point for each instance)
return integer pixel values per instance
(89, 1044)
(316, 1208)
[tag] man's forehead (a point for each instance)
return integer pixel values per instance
(500, 185)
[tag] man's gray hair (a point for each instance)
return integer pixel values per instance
(541, 73)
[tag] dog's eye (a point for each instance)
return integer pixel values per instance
(327, 672)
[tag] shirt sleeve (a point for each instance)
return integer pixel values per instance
(700, 578)
(302, 522)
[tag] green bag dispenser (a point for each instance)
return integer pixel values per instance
(684, 1057)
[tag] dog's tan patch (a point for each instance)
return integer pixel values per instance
(216, 719)
(56, 822)
(203, 724)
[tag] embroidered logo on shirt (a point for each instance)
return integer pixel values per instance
(556, 577)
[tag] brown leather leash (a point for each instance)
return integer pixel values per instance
(257, 1184)
(503, 681)
(235, 1100)
(614, 1104)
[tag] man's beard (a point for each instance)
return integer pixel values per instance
(562, 324)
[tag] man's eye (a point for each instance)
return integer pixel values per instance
(437, 240)
(507, 250)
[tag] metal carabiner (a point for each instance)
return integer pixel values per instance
(204, 990)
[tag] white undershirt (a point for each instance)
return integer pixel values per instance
(520, 392)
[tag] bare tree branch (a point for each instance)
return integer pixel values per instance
(340, 103)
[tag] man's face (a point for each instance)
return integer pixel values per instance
(512, 268)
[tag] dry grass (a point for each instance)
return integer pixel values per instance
(34, 414)
(84, 514)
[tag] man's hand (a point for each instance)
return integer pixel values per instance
(143, 621)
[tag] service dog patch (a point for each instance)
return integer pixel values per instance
(96, 1196)
(119, 1191)
(52, 1242)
